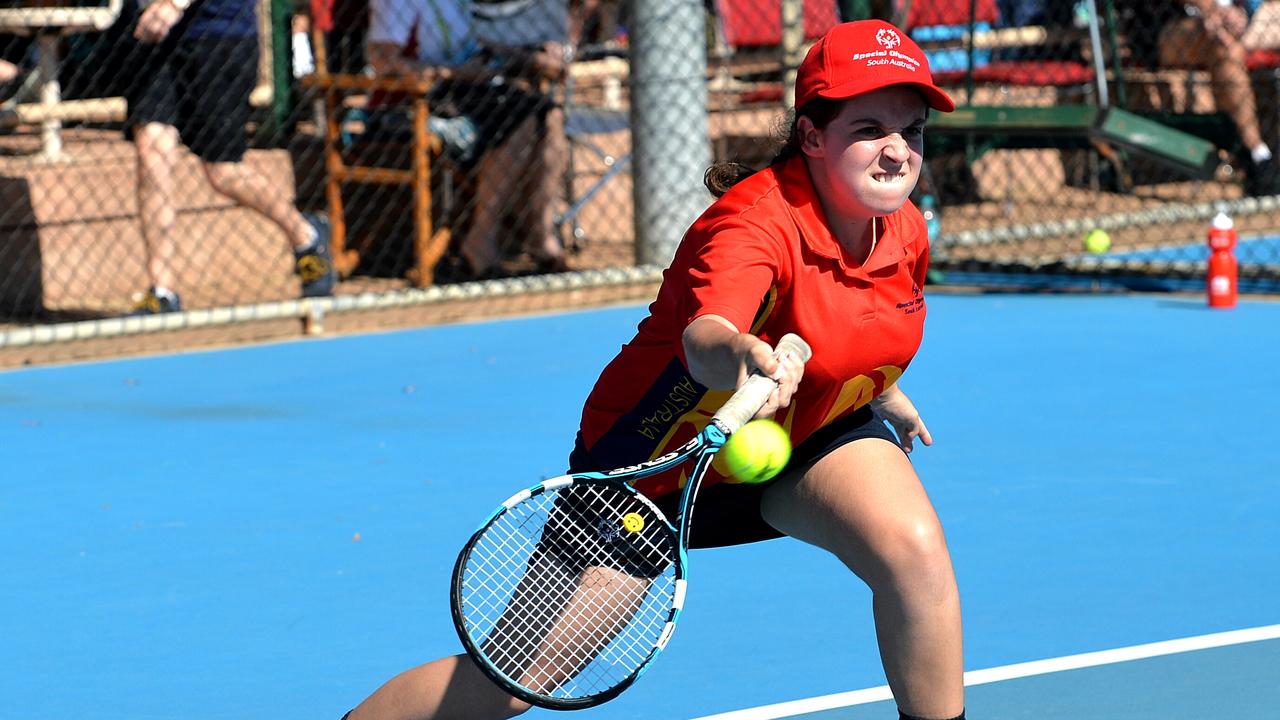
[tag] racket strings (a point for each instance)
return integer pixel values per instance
(600, 601)
(580, 634)
(562, 597)
(574, 640)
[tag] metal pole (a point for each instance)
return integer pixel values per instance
(670, 133)
(50, 92)
(1099, 63)
(1113, 42)
(792, 47)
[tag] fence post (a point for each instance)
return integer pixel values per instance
(793, 49)
(670, 128)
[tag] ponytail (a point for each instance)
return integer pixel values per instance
(786, 135)
(723, 175)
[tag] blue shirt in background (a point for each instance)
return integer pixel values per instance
(222, 19)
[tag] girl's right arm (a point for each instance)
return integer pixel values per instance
(721, 358)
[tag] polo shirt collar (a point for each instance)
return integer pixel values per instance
(802, 201)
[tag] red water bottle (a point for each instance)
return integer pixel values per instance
(1223, 271)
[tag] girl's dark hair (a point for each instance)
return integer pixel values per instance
(724, 175)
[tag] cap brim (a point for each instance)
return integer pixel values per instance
(934, 96)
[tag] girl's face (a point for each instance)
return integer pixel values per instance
(867, 160)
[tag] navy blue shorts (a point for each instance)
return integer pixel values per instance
(200, 86)
(729, 513)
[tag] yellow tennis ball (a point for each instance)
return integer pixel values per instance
(756, 453)
(1097, 241)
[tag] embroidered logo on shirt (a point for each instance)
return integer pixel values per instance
(915, 304)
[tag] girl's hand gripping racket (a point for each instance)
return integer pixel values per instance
(569, 591)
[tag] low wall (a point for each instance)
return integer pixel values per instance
(71, 237)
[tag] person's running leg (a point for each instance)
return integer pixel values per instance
(157, 147)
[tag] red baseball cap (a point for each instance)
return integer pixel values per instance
(857, 57)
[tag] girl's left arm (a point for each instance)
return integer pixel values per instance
(894, 405)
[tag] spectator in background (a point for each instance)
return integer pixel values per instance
(13, 51)
(197, 63)
(490, 122)
(533, 38)
(1206, 35)
(596, 22)
(13, 56)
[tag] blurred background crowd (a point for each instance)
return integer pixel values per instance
(185, 154)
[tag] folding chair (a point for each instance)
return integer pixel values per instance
(583, 124)
(431, 242)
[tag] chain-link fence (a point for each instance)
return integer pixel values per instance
(548, 145)
(1143, 119)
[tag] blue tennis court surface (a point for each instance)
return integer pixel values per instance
(269, 531)
(1250, 251)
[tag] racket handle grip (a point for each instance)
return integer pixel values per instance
(753, 394)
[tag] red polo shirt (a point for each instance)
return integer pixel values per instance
(763, 258)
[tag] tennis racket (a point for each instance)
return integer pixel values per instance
(571, 588)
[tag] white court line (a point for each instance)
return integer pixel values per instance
(1010, 672)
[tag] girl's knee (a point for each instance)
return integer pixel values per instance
(917, 561)
(217, 174)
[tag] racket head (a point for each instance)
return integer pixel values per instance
(571, 588)
(525, 581)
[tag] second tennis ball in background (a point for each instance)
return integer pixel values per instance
(756, 453)
(1097, 241)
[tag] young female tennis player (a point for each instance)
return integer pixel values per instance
(823, 243)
